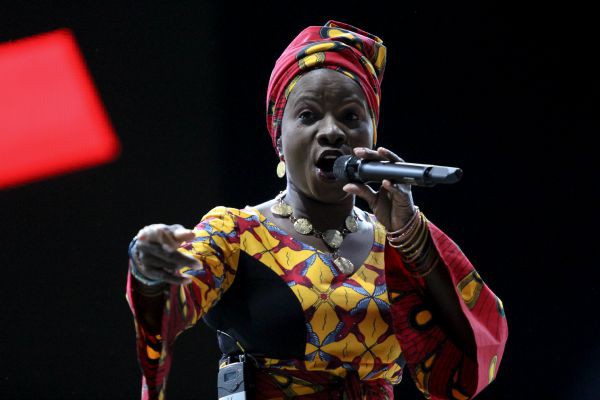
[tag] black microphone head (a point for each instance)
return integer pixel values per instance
(339, 168)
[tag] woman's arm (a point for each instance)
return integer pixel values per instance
(150, 303)
(154, 261)
(162, 312)
(440, 294)
(450, 325)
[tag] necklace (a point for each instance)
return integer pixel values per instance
(333, 238)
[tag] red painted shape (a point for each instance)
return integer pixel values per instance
(51, 118)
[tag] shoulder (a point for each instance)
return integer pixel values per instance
(217, 212)
(230, 214)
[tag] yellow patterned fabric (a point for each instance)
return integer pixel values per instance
(347, 317)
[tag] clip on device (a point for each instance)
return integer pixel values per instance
(234, 381)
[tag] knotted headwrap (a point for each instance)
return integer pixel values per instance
(338, 46)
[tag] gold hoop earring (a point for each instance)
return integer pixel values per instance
(281, 169)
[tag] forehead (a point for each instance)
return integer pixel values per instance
(326, 85)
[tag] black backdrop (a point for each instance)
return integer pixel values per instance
(505, 92)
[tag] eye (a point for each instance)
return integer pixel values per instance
(351, 116)
(306, 115)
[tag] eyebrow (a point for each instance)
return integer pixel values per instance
(344, 101)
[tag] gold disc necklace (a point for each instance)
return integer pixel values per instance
(333, 238)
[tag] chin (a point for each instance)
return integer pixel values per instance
(329, 193)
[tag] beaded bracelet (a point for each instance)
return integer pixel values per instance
(134, 267)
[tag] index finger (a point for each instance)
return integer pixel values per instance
(173, 235)
(368, 154)
(388, 154)
(182, 234)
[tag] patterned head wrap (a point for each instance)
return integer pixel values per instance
(338, 46)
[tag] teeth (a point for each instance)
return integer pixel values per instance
(327, 158)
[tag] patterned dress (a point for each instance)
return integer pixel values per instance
(316, 332)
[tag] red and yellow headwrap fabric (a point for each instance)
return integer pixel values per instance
(336, 45)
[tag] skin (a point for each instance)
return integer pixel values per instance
(326, 110)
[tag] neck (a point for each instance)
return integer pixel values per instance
(323, 216)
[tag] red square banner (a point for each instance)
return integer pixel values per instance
(51, 118)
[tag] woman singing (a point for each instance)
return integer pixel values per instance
(328, 301)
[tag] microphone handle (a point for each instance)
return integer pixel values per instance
(413, 174)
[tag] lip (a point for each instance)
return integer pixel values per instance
(328, 152)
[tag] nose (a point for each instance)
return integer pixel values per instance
(330, 133)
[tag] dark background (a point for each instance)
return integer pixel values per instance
(503, 91)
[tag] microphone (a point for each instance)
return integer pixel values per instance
(353, 169)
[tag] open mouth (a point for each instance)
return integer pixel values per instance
(325, 164)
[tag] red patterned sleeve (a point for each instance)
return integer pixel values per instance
(216, 246)
(439, 368)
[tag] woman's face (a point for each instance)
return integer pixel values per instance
(326, 116)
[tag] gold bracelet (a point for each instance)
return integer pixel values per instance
(409, 235)
(396, 246)
(416, 240)
(420, 259)
(427, 272)
(401, 245)
(415, 250)
(400, 232)
(422, 262)
(424, 268)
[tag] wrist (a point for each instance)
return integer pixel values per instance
(406, 229)
(148, 291)
(414, 244)
(425, 263)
